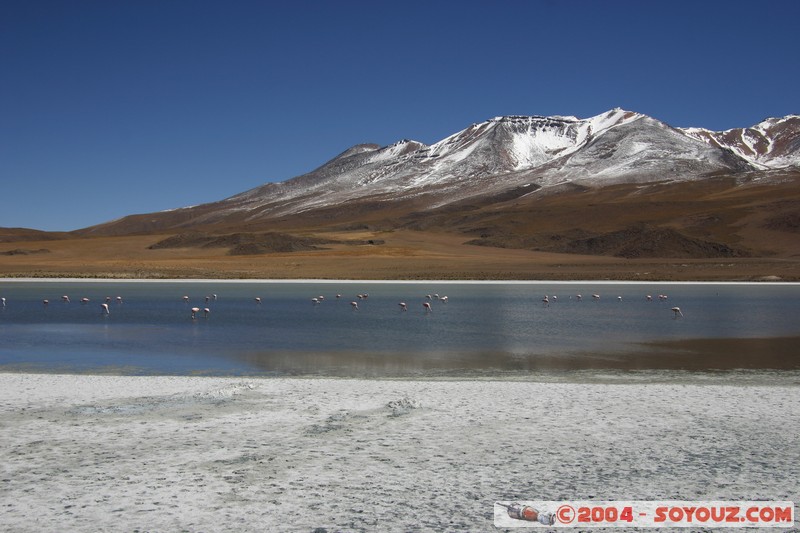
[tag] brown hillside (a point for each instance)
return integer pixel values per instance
(715, 229)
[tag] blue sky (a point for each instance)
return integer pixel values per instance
(110, 108)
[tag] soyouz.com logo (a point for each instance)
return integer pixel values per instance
(667, 513)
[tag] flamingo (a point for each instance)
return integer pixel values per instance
(105, 309)
(596, 296)
(186, 299)
(2, 302)
(206, 311)
(315, 301)
(443, 299)
(84, 300)
(546, 300)
(403, 306)
(677, 311)
(45, 302)
(427, 307)
(119, 299)
(648, 298)
(257, 300)
(619, 298)
(65, 299)
(195, 310)
(578, 296)
(354, 305)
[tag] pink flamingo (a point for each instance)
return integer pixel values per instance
(354, 305)
(427, 307)
(677, 311)
(403, 306)
(105, 309)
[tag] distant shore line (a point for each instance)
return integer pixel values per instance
(385, 281)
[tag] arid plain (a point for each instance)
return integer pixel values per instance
(403, 255)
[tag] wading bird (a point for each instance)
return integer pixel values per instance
(677, 311)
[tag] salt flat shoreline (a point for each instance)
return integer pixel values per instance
(178, 453)
(393, 281)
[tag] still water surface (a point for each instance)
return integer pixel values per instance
(483, 328)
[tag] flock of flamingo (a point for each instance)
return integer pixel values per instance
(317, 300)
(662, 297)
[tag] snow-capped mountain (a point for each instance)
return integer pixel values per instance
(772, 143)
(511, 155)
(514, 151)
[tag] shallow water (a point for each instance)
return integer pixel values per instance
(483, 329)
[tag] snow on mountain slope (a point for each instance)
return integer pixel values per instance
(644, 150)
(511, 156)
(511, 152)
(772, 143)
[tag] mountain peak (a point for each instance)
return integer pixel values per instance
(772, 143)
(516, 155)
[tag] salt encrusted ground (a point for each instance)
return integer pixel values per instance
(109, 453)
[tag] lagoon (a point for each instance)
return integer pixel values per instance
(490, 329)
